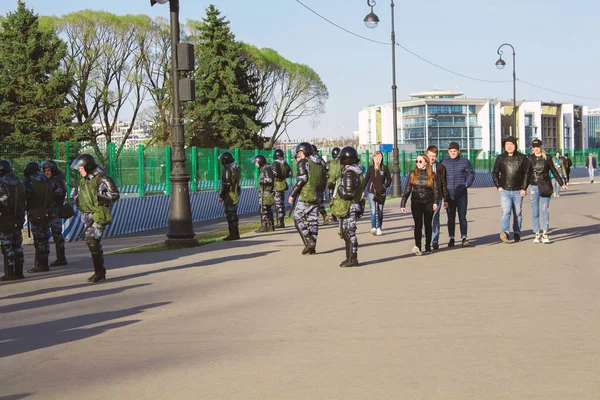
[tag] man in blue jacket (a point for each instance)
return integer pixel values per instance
(460, 176)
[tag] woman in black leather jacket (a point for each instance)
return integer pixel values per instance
(424, 201)
(540, 189)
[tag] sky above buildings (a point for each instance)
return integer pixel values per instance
(556, 47)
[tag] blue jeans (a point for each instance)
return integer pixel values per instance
(556, 187)
(536, 201)
(459, 203)
(376, 212)
(436, 225)
(511, 202)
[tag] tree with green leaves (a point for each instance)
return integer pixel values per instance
(33, 87)
(286, 90)
(225, 111)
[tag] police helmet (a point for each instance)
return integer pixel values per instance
(305, 148)
(226, 158)
(5, 167)
(87, 161)
(278, 155)
(260, 159)
(31, 168)
(314, 148)
(335, 152)
(348, 156)
(51, 165)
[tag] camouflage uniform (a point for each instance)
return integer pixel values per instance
(281, 172)
(11, 222)
(321, 188)
(266, 196)
(306, 217)
(60, 189)
(39, 194)
(93, 196)
(230, 190)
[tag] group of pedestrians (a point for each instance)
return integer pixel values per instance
(42, 196)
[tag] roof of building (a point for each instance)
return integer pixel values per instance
(436, 93)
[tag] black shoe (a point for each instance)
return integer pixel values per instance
(517, 237)
(352, 262)
(435, 246)
(97, 279)
(451, 243)
(39, 268)
(311, 244)
(465, 242)
(234, 234)
(58, 263)
(91, 278)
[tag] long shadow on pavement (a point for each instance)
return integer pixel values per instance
(23, 339)
(28, 305)
(17, 396)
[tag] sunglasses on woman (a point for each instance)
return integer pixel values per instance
(420, 161)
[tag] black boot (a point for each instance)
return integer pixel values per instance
(353, 260)
(9, 271)
(61, 258)
(19, 261)
(264, 227)
(270, 226)
(40, 263)
(281, 222)
(99, 270)
(310, 245)
(234, 233)
(348, 251)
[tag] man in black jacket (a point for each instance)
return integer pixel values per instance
(442, 185)
(511, 177)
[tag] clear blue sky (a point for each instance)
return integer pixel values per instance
(556, 44)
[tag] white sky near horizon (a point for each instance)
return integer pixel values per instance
(556, 47)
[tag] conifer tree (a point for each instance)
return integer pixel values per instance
(224, 113)
(33, 88)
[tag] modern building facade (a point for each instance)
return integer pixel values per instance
(593, 124)
(439, 117)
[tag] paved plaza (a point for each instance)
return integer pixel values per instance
(253, 319)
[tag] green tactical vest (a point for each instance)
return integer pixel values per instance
(88, 201)
(232, 197)
(309, 190)
(281, 183)
(334, 171)
(341, 207)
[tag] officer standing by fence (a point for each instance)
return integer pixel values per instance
(57, 180)
(333, 174)
(39, 195)
(266, 195)
(308, 178)
(281, 171)
(95, 194)
(230, 191)
(348, 206)
(12, 201)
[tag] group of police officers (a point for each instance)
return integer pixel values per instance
(342, 177)
(41, 195)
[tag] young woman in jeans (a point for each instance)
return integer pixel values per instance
(424, 201)
(377, 181)
(540, 189)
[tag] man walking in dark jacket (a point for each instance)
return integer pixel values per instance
(442, 185)
(511, 177)
(459, 177)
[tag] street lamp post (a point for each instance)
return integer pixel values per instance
(371, 21)
(500, 64)
(438, 131)
(180, 229)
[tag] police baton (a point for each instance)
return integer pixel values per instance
(85, 228)
(293, 206)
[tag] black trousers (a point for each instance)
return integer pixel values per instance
(422, 212)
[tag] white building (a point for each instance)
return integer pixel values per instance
(438, 117)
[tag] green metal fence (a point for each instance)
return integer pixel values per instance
(146, 170)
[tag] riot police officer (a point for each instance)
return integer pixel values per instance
(266, 196)
(281, 171)
(94, 195)
(348, 206)
(333, 174)
(308, 178)
(322, 185)
(230, 191)
(39, 195)
(12, 201)
(57, 179)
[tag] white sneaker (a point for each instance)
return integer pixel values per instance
(545, 239)
(417, 251)
(379, 233)
(537, 238)
(373, 231)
